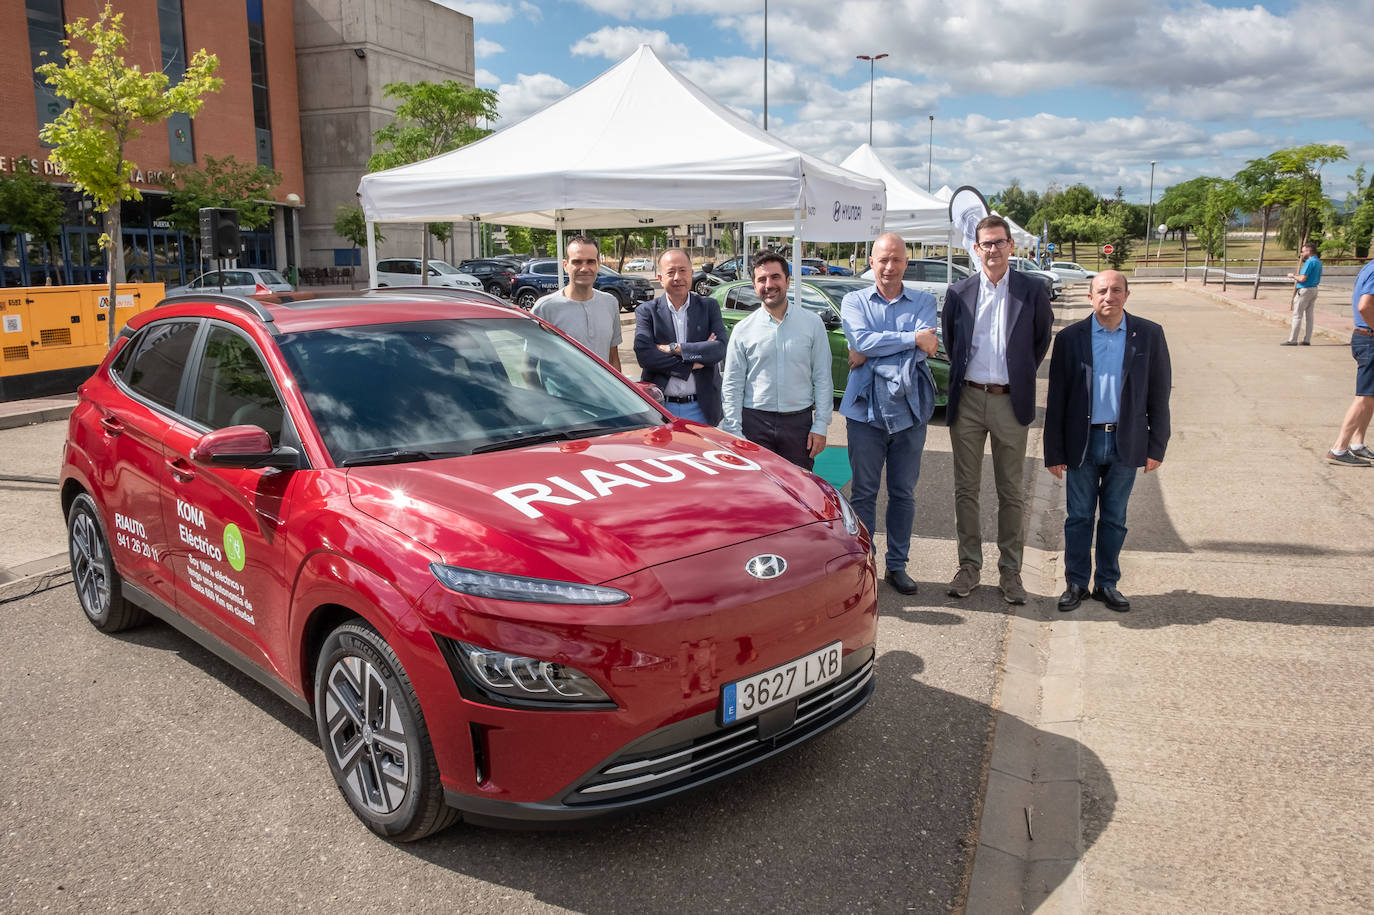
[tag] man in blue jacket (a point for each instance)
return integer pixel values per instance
(1107, 413)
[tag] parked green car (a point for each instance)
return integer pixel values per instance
(823, 295)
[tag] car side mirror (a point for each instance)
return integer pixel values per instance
(243, 446)
(830, 320)
(708, 266)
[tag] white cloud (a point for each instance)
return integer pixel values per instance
(617, 42)
(486, 79)
(481, 11)
(528, 94)
(531, 12)
(482, 47)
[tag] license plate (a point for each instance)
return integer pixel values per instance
(757, 693)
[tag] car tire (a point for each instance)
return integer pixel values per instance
(374, 737)
(622, 301)
(703, 287)
(99, 589)
(526, 299)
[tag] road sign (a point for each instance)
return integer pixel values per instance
(1051, 247)
(1107, 249)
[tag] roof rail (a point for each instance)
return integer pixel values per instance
(251, 306)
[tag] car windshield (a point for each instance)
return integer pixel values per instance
(406, 392)
(607, 271)
(443, 267)
(271, 277)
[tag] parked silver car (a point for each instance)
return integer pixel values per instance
(405, 271)
(1070, 272)
(1054, 285)
(929, 274)
(238, 281)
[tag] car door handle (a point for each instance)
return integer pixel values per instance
(111, 425)
(181, 469)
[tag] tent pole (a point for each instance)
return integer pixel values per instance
(796, 254)
(369, 226)
(559, 221)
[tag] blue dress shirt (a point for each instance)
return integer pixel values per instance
(894, 389)
(1109, 352)
(778, 366)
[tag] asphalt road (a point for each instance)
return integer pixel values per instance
(148, 775)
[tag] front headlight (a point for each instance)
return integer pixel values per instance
(499, 675)
(851, 520)
(527, 590)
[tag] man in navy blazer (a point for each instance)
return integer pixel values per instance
(997, 326)
(680, 342)
(1107, 414)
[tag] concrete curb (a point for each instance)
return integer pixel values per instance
(1029, 834)
(34, 417)
(32, 577)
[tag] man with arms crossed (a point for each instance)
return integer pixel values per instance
(997, 327)
(1107, 413)
(680, 342)
(777, 390)
(1305, 295)
(1350, 448)
(889, 397)
(579, 309)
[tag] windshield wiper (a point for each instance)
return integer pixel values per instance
(399, 456)
(540, 438)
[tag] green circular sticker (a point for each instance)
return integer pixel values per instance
(233, 547)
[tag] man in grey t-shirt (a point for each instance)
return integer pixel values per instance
(583, 312)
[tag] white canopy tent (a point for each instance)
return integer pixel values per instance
(911, 212)
(593, 160)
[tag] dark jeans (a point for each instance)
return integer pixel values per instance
(782, 433)
(1101, 487)
(869, 448)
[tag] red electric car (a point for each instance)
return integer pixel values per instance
(506, 584)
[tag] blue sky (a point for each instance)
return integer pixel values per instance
(1043, 91)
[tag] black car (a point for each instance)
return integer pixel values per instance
(710, 275)
(540, 277)
(496, 274)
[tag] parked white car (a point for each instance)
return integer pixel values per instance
(405, 271)
(239, 281)
(639, 263)
(1070, 272)
(929, 274)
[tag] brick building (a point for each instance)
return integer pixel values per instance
(302, 94)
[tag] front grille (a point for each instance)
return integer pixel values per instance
(641, 775)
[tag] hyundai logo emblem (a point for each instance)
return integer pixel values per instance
(768, 565)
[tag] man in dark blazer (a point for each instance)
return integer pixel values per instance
(1107, 414)
(680, 342)
(997, 326)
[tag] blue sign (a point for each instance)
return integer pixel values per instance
(1051, 247)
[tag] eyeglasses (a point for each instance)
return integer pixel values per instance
(997, 245)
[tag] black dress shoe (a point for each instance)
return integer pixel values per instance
(1112, 598)
(901, 581)
(1073, 596)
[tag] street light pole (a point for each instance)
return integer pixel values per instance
(872, 60)
(765, 64)
(1150, 212)
(930, 152)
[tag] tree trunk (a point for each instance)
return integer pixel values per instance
(1184, 234)
(114, 267)
(1259, 268)
(1225, 261)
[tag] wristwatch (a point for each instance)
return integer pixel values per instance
(677, 349)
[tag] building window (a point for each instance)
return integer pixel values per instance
(172, 34)
(257, 62)
(45, 46)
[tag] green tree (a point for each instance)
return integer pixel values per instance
(351, 224)
(34, 207)
(432, 118)
(1260, 189)
(1017, 204)
(1057, 206)
(111, 102)
(1298, 169)
(222, 183)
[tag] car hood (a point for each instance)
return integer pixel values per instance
(593, 510)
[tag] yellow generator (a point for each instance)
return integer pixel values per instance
(53, 337)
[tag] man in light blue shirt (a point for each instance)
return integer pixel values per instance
(777, 390)
(889, 397)
(1350, 448)
(1305, 295)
